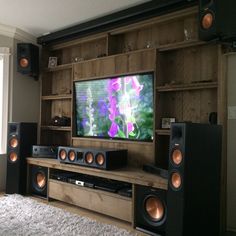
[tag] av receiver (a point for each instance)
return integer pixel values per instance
(44, 151)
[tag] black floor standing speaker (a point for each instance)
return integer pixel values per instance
(193, 196)
(150, 210)
(20, 138)
(38, 180)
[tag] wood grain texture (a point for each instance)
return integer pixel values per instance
(139, 153)
(95, 200)
(132, 62)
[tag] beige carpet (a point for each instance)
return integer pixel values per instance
(23, 216)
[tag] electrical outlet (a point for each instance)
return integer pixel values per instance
(231, 112)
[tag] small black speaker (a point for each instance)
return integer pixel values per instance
(107, 159)
(39, 180)
(216, 20)
(21, 137)
(28, 59)
(150, 210)
(193, 195)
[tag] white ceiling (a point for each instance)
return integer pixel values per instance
(47, 16)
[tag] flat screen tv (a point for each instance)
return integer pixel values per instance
(115, 108)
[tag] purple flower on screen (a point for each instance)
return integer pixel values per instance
(116, 84)
(113, 108)
(130, 127)
(128, 79)
(113, 129)
(136, 85)
(102, 107)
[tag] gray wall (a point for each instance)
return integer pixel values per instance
(231, 144)
(23, 97)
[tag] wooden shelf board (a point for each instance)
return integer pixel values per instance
(156, 20)
(163, 131)
(57, 97)
(78, 41)
(113, 141)
(59, 67)
(117, 55)
(127, 174)
(192, 86)
(59, 128)
(179, 45)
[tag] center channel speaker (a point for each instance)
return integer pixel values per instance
(107, 159)
(216, 20)
(150, 210)
(28, 59)
(39, 179)
(20, 138)
(193, 195)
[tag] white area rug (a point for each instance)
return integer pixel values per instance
(24, 216)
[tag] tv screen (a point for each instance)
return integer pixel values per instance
(115, 108)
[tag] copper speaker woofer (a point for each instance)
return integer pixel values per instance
(71, 155)
(100, 159)
(13, 157)
(24, 62)
(154, 208)
(176, 180)
(89, 157)
(13, 142)
(41, 180)
(207, 20)
(62, 154)
(176, 157)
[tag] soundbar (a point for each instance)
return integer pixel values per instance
(155, 170)
(107, 159)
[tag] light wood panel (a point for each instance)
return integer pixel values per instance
(142, 60)
(139, 153)
(95, 200)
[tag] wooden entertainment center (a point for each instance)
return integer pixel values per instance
(189, 85)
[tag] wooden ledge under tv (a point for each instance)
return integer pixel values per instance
(107, 203)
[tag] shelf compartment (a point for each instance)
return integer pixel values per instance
(189, 66)
(95, 200)
(155, 33)
(57, 83)
(193, 105)
(71, 52)
(130, 62)
(55, 137)
(191, 86)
